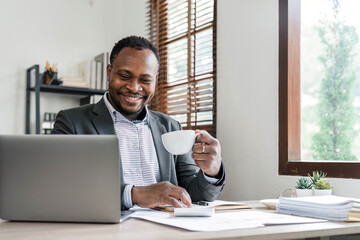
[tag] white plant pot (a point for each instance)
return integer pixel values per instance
(304, 192)
(322, 192)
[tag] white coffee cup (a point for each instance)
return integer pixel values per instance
(179, 142)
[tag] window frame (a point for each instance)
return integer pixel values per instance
(158, 35)
(290, 162)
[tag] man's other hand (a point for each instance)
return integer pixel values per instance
(207, 153)
(160, 194)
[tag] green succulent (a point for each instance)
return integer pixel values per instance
(323, 184)
(316, 176)
(303, 183)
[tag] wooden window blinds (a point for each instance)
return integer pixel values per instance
(185, 33)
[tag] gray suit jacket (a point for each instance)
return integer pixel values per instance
(177, 169)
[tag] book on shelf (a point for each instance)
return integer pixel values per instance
(329, 207)
(91, 74)
(98, 71)
(84, 71)
(75, 84)
(72, 79)
(78, 82)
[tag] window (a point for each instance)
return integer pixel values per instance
(300, 151)
(185, 32)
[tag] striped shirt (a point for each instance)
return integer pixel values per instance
(137, 151)
(139, 160)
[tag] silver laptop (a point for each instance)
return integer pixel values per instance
(63, 178)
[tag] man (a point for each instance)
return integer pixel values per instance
(150, 175)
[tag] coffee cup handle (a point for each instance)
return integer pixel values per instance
(196, 134)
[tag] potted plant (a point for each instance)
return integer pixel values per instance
(322, 187)
(316, 176)
(303, 187)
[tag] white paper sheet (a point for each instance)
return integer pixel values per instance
(335, 202)
(223, 221)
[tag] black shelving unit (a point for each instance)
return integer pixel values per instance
(39, 87)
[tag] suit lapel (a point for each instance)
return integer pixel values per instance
(164, 157)
(102, 120)
(104, 124)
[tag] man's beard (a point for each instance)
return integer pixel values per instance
(124, 111)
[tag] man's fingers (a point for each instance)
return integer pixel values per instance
(187, 195)
(174, 202)
(176, 195)
(182, 195)
(204, 137)
(160, 193)
(203, 156)
(202, 148)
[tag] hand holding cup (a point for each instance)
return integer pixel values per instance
(207, 153)
(206, 149)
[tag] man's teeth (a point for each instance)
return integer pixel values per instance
(133, 98)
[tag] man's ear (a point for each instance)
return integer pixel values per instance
(108, 71)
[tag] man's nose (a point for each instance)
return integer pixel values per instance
(134, 86)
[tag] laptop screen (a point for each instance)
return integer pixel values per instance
(72, 178)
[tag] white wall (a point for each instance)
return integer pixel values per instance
(124, 18)
(65, 32)
(247, 50)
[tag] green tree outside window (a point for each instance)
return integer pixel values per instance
(334, 139)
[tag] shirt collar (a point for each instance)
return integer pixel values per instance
(117, 116)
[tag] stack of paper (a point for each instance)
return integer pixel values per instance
(354, 214)
(218, 205)
(328, 207)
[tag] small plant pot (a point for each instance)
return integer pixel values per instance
(322, 192)
(303, 192)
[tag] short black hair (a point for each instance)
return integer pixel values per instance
(136, 42)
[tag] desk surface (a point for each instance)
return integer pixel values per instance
(141, 229)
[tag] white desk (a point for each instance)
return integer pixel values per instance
(140, 229)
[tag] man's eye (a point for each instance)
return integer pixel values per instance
(146, 81)
(124, 77)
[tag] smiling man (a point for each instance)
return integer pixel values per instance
(150, 175)
(132, 80)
